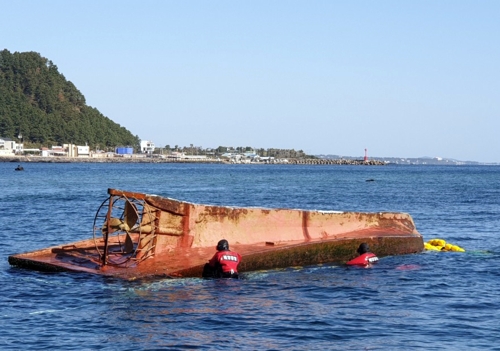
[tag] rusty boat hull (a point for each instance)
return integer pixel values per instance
(141, 236)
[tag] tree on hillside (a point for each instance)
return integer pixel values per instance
(37, 101)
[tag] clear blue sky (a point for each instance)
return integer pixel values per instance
(400, 78)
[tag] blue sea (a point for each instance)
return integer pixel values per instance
(427, 301)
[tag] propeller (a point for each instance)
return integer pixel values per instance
(130, 218)
(130, 215)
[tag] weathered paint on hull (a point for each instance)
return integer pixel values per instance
(180, 237)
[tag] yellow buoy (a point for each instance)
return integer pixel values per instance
(428, 246)
(456, 248)
(437, 242)
(441, 245)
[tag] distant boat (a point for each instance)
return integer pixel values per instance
(19, 168)
(138, 236)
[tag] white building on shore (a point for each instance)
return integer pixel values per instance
(9, 147)
(147, 147)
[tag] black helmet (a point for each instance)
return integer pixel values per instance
(223, 245)
(363, 248)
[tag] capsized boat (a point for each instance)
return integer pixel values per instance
(141, 236)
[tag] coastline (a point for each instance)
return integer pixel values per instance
(60, 159)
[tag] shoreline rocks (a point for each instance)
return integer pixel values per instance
(58, 159)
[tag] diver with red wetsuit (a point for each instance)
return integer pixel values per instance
(224, 264)
(365, 257)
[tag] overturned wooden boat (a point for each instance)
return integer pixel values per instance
(148, 236)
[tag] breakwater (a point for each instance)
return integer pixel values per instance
(58, 159)
(336, 162)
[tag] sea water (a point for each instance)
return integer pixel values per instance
(427, 301)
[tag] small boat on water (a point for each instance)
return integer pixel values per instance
(141, 236)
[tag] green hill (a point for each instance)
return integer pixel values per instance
(38, 102)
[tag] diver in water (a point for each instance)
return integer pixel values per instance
(365, 257)
(19, 168)
(224, 264)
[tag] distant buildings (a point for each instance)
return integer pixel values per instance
(66, 150)
(10, 147)
(147, 147)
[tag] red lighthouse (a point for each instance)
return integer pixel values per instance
(366, 155)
